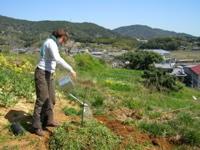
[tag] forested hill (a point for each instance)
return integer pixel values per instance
(29, 32)
(24, 33)
(146, 32)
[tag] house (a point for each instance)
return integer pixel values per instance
(142, 41)
(75, 51)
(195, 48)
(97, 54)
(20, 50)
(179, 73)
(167, 66)
(193, 73)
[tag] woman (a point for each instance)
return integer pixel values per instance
(44, 81)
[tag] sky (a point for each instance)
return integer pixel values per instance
(173, 15)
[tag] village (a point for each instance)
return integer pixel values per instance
(186, 70)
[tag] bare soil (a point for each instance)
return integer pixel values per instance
(131, 134)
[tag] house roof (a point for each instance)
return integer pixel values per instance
(159, 51)
(196, 69)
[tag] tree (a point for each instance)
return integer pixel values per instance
(162, 43)
(160, 80)
(140, 59)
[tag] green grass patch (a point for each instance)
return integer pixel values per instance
(92, 136)
(184, 124)
(156, 128)
(70, 111)
(88, 63)
(117, 85)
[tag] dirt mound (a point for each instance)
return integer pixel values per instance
(131, 133)
(123, 114)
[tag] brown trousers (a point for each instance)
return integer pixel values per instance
(45, 92)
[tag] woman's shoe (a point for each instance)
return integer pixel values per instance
(39, 132)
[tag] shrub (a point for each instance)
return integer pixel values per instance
(15, 85)
(140, 59)
(133, 104)
(160, 80)
(98, 101)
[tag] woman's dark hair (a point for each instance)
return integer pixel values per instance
(61, 33)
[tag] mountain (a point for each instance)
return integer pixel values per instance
(22, 32)
(146, 32)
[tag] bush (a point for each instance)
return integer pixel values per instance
(140, 59)
(92, 136)
(15, 85)
(160, 80)
(98, 101)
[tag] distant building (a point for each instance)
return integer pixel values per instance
(196, 48)
(75, 51)
(162, 52)
(179, 73)
(20, 50)
(167, 66)
(183, 47)
(193, 73)
(142, 41)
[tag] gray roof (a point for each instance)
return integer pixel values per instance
(160, 51)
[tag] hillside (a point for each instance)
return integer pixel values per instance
(22, 32)
(127, 115)
(146, 32)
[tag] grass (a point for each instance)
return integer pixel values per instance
(134, 146)
(92, 136)
(156, 128)
(70, 111)
(106, 89)
(184, 124)
(122, 87)
(184, 54)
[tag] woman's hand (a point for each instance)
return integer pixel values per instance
(73, 73)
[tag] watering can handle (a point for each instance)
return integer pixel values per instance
(76, 99)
